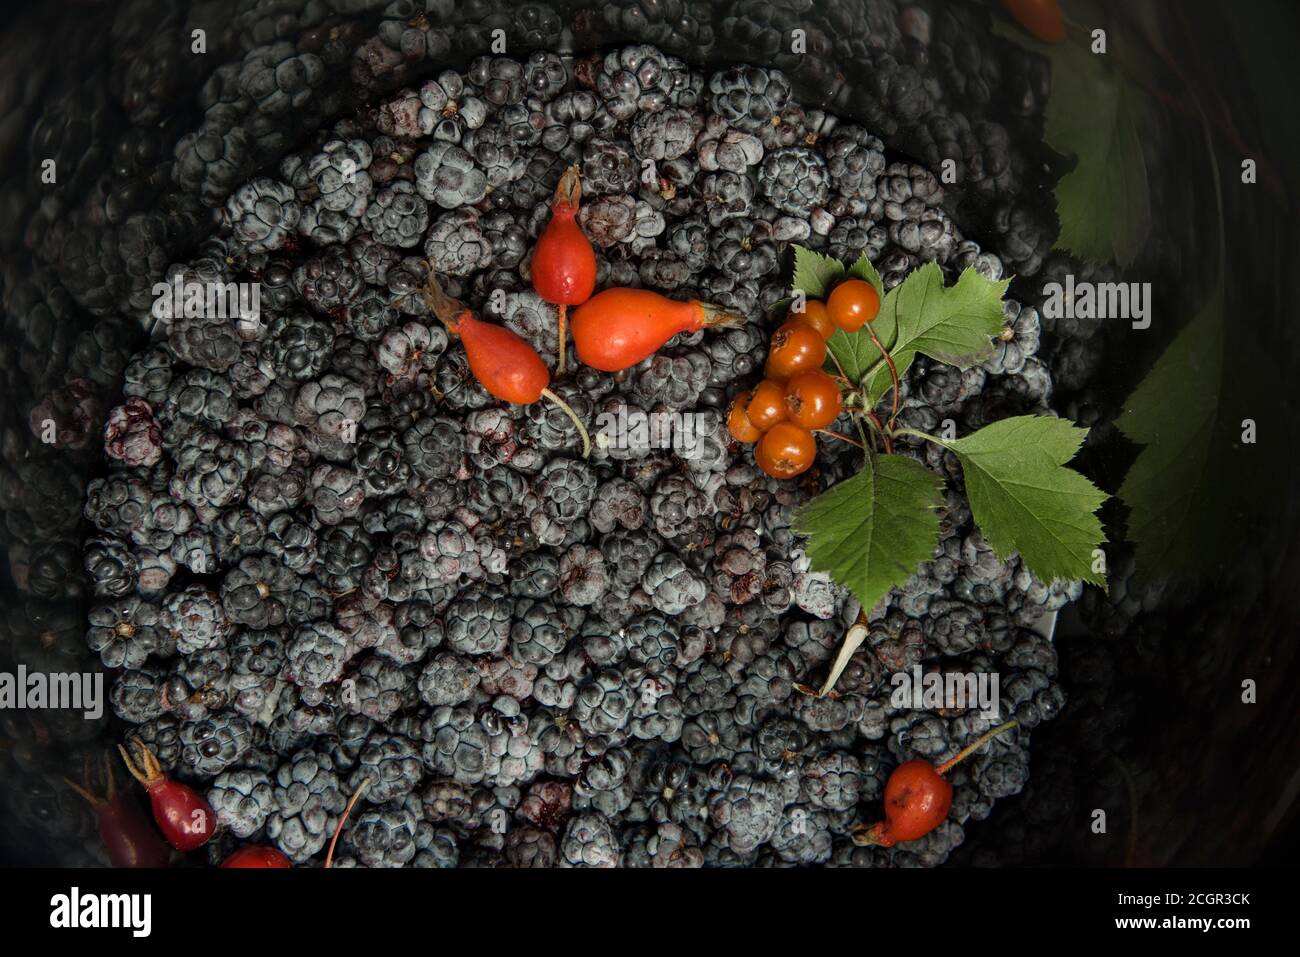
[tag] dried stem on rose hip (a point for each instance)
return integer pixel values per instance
(503, 363)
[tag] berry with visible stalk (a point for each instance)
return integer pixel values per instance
(852, 304)
(1042, 19)
(128, 837)
(766, 405)
(338, 828)
(814, 313)
(256, 855)
(785, 450)
(185, 819)
(812, 399)
(796, 347)
(564, 264)
(617, 328)
(738, 423)
(918, 796)
(503, 362)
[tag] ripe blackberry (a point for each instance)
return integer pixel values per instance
(854, 159)
(672, 586)
(125, 632)
(680, 510)
(795, 179)
(588, 841)
(262, 214)
(664, 135)
(478, 623)
(544, 75)
(747, 812)
(210, 746)
(195, 619)
(457, 243)
(308, 800)
(137, 695)
(339, 172)
(316, 655)
(328, 281)
(609, 167)
(449, 679)
(584, 577)
(253, 592)
(208, 342)
(749, 97)
(396, 216)
(243, 800)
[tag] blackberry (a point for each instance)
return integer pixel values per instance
(328, 281)
(210, 746)
(449, 679)
(722, 148)
(727, 195)
(635, 78)
(795, 179)
(457, 244)
(573, 118)
(854, 159)
(243, 800)
(478, 623)
(535, 575)
(673, 587)
(588, 841)
(253, 592)
(680, 511)
(665, 135)
(392, 765)
(262, 214)
(608, 167)
(256, 660)
(396, 216)
(209, 472)
(495, 153)
(308, 800)
(339, 172)
(749, 97)
(195, 619)
(137, 695)
(125, 632)
(544, 75)
(316, 655)
(210, 343)
(747, 812)
(583, 576)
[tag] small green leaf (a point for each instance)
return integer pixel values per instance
(871, 531)
(1024, 500)
(953, 324)
(814, 274)
(862, 269)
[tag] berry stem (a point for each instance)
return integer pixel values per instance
(563, 328)
(920, 435)
(841, 436)
(975, 745)
(853, 640)
(564, 407)
(879, 426)
(893, 373)
(338, 828)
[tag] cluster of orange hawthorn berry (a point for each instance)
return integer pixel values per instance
(797, 397)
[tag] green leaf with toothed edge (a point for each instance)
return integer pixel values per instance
(871, 531)
(1024, 499)
(815, 274)
(953, 324)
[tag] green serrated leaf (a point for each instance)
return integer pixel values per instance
(814, 274)
(1024, 499)
(871, 531)
(862, 269)
(953, 324)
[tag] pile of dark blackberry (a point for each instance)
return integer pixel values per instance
(324, 554)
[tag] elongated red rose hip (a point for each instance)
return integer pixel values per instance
(185, 819)
(129, 838)
(617, 328)
(564, 264)
(503, 363)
